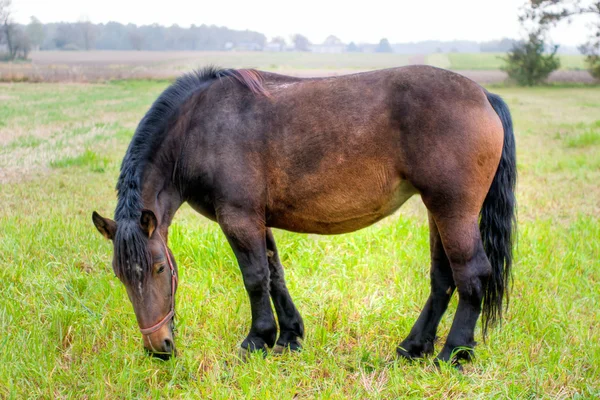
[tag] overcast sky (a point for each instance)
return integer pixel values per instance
(350, 20)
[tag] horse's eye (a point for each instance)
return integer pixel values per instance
(161, 269)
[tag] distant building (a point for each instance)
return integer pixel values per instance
(275, 47)
(331, 45)
(245, 46)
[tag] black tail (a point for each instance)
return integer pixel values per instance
(497, 222)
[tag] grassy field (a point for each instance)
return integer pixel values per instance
(99, 66)
(68, 329)
(493, 61)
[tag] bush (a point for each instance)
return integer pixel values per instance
(592, 56)
(593, 62)
(527, 62)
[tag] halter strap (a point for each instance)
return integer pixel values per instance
(169, 316)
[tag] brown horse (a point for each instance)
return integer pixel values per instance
(254, 151)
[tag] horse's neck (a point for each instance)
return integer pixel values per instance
(160, 195)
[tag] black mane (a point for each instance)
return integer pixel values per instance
(149, 135)
(130, 241)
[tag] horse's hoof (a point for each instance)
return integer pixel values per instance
(279, 349)
(292, 346)
(454, 364)
(243, 354)
(413, 355)
(405, 355)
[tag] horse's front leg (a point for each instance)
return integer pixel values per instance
(246, 234)
(290, 322)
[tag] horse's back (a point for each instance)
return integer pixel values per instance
(349, 151)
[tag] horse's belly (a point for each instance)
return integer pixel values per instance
(335, 212)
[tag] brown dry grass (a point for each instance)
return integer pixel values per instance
(99, 66)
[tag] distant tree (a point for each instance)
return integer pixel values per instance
(88, 34)
(16, 39)
(592, 57)
(301, 42)
(277, 44)
(136, 39)
(5, 12)
(497, 46)
(550, 12)
(528, 63)
(547, 13)
(332, 40)
(8, 28)
(279, 40)
(22, 44)
(384, 46)
(67, 36)
(117, 36)
(35, 32)
(352, 48)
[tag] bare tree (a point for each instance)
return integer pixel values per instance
(5, 10)
(8, 27)
(550, 12)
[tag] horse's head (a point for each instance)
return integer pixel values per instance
(145, 265)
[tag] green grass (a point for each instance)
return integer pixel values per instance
(68, 329)
(89, 159)
(483, 61)
(588, 138)
(492, 61)
(28, 141)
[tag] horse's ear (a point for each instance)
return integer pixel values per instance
(107, 227)
(148, 222)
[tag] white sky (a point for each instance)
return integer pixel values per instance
(351, 20)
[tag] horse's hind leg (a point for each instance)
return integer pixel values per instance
(290, 322)
(471, 270)
(422, 335)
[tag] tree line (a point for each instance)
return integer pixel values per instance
(84, 35)
(117, 36)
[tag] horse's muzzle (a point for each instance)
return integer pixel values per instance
(164, 352)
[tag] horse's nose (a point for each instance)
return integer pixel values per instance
(163, 349)
(168, 346)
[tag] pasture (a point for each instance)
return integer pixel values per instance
(68, 328)
(99, 66)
